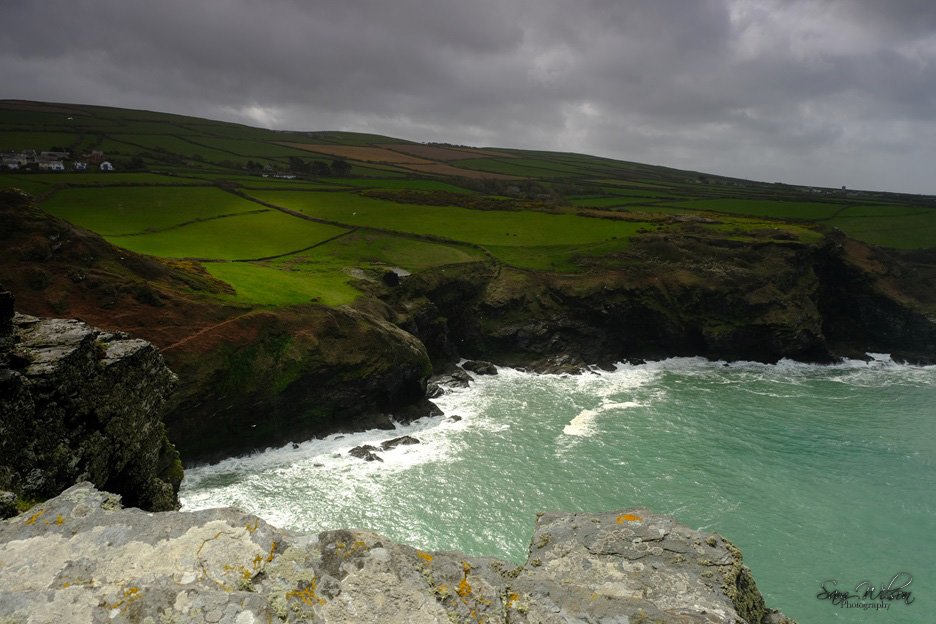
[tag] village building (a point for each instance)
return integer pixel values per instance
(51, 165)
(106, 166)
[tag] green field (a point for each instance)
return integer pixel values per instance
(326, 273)
(256, 283)
(364, 249)
(99, 178)
(29, 183)
(910, 231)
(242, 237)
(543, 227)
(169, 144)
(133, 210)
(398, 183)
(39, 141)
(549, 239)
(253, 149)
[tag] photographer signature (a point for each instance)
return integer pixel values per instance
(896, 589)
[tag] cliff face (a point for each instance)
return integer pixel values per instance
(251, 378)
(680, 296)
(81, 404)
(81, 558)
(268, 378)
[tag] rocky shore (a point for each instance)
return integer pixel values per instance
(81, 558)
(255, 378)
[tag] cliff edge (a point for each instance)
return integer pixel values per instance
(80, 557)
(81, 404)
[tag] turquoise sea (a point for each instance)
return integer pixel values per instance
(815, 472)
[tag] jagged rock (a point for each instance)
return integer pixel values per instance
(561, 365)
(434, 390)
(80, 558)
(78, 403)
(7, 504)
(365, 452)
(479, 367)
(457, 378)
(395, 442)
(454, 418)
(416, 410)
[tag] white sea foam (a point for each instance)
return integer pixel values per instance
(582, 425)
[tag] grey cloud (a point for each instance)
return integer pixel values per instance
(811, 91)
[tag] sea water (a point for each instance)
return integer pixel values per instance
(815, 472)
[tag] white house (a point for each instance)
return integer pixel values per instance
(80, 166)
(52, 165)
(107, 166)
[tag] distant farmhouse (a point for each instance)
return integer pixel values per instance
(51, 161)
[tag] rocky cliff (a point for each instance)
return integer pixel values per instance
(689, 295)
(81, 558)
(81, 404)
(251, 378)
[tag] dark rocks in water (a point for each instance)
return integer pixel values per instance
(81, 404)
(434, 390)
(625, 566)
(370, 421)
(395, 442)
(454, 418)
(479, 367)
(419, 409)
(365, 452)
(457, 378)
(561, 365)
(295, 445)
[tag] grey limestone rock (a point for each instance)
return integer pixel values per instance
(81, 404)
(81, 558)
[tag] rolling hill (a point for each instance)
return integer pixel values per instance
(263, 260)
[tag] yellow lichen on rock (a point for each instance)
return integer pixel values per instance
(307, 594)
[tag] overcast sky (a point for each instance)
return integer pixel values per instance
(824, 92)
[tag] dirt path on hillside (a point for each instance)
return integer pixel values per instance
(205, 330)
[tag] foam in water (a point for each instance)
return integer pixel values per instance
(808, 468)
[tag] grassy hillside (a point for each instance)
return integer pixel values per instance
(356, 206)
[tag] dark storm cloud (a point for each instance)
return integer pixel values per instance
(809, 91)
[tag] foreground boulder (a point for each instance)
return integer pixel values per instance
(81, 558)
(81, 404)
